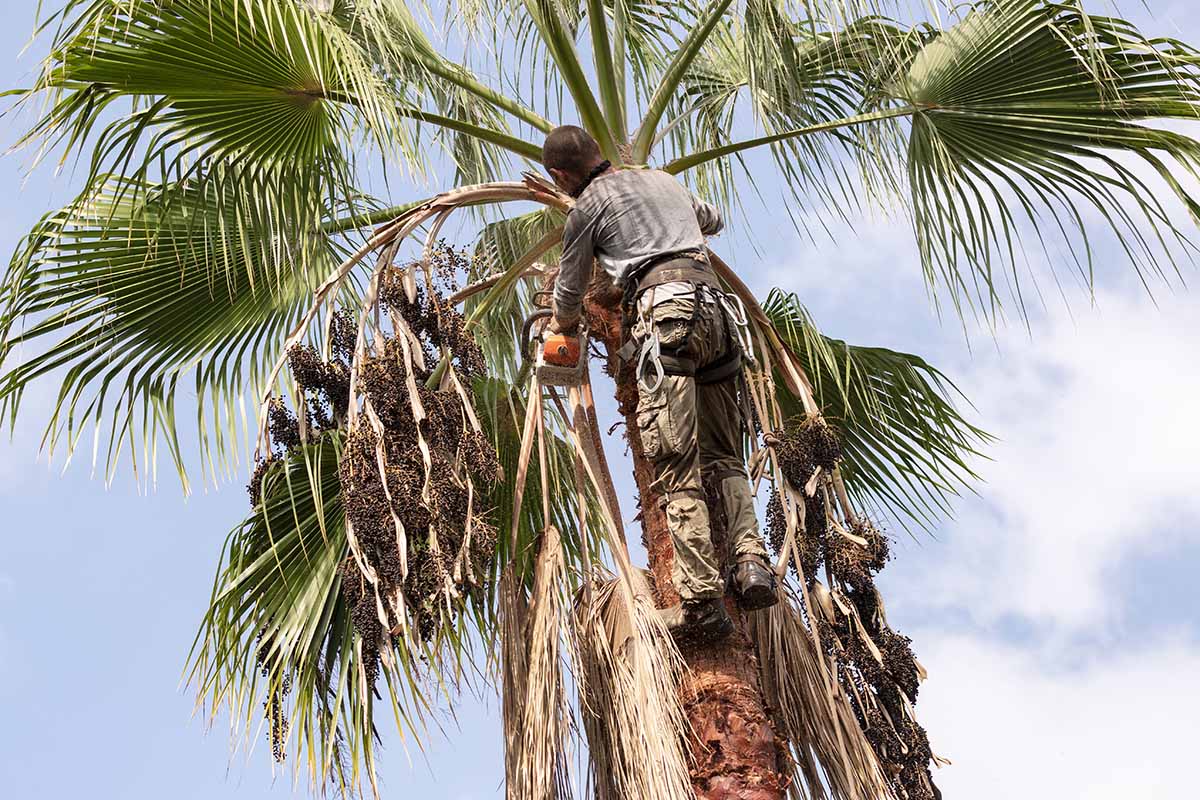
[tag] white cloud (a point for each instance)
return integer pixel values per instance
(1098, 461)
(1014, 726)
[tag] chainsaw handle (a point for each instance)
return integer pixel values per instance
(527, 330)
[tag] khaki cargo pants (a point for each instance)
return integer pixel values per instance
(688, 430)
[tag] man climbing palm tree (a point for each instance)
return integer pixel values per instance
(648, 233)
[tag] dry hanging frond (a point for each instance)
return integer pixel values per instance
(827, 744)
(810, 539)
(629, 674)
(541, 760)
(514, 665)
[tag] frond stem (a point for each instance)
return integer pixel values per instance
(676, 70)
(561, 46)
(463, 80)
(602, 55)
(687, 162)
(502, 140)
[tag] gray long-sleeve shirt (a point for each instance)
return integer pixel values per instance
(625, 219)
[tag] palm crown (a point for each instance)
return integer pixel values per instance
(224, 145)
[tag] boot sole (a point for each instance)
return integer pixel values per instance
(714, 631)
(757, 598)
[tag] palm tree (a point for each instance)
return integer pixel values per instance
(219, 249)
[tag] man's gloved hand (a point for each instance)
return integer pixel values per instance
(555, 326)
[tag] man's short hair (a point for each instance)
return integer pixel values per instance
(571, 149)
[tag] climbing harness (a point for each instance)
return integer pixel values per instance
(654, 362)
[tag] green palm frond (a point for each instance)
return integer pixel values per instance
(788, 73)
(644, 33)
(1024, 117)
(133, 293)
(278, 642)
(1032, 114)
(557, 31)
(261, 89)
(391, 34)
(908, 450)
(500, 245)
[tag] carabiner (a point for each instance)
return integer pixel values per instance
(651, 349)
(736, 309)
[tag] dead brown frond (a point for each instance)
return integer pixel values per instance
(540, 763)
(629, 672)
(514, 664)
(826, 743)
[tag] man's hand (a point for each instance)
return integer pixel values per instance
(556, 326)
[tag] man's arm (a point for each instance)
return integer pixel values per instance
(711, 222)
(575, 269)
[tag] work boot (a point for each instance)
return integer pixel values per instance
(698, 620)
(754, 584)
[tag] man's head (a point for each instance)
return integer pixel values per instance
(569, 155)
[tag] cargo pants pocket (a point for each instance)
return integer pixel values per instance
(659, 438)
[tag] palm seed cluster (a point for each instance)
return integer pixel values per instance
(449, 544)
(443, 506)
(326, 395)
(273, 707)
(876, 665)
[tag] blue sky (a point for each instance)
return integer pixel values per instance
(1057, 614)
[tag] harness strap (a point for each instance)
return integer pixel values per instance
(693, 494)
(693, 262)
(722, 369)
(681, 270)
(678, 365)
(723, 474)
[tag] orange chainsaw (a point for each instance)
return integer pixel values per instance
(560, 359)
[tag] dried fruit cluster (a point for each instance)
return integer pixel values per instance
(435, 472)
(277, 720)
(875, 664)
(806, 444)
(326, 393)
(432, 318)
(414, 471)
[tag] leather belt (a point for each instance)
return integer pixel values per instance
(672, 269)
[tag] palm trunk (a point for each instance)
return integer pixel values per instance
(736, 753)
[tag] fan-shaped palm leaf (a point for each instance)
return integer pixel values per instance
(907, 449)
(129, 290)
